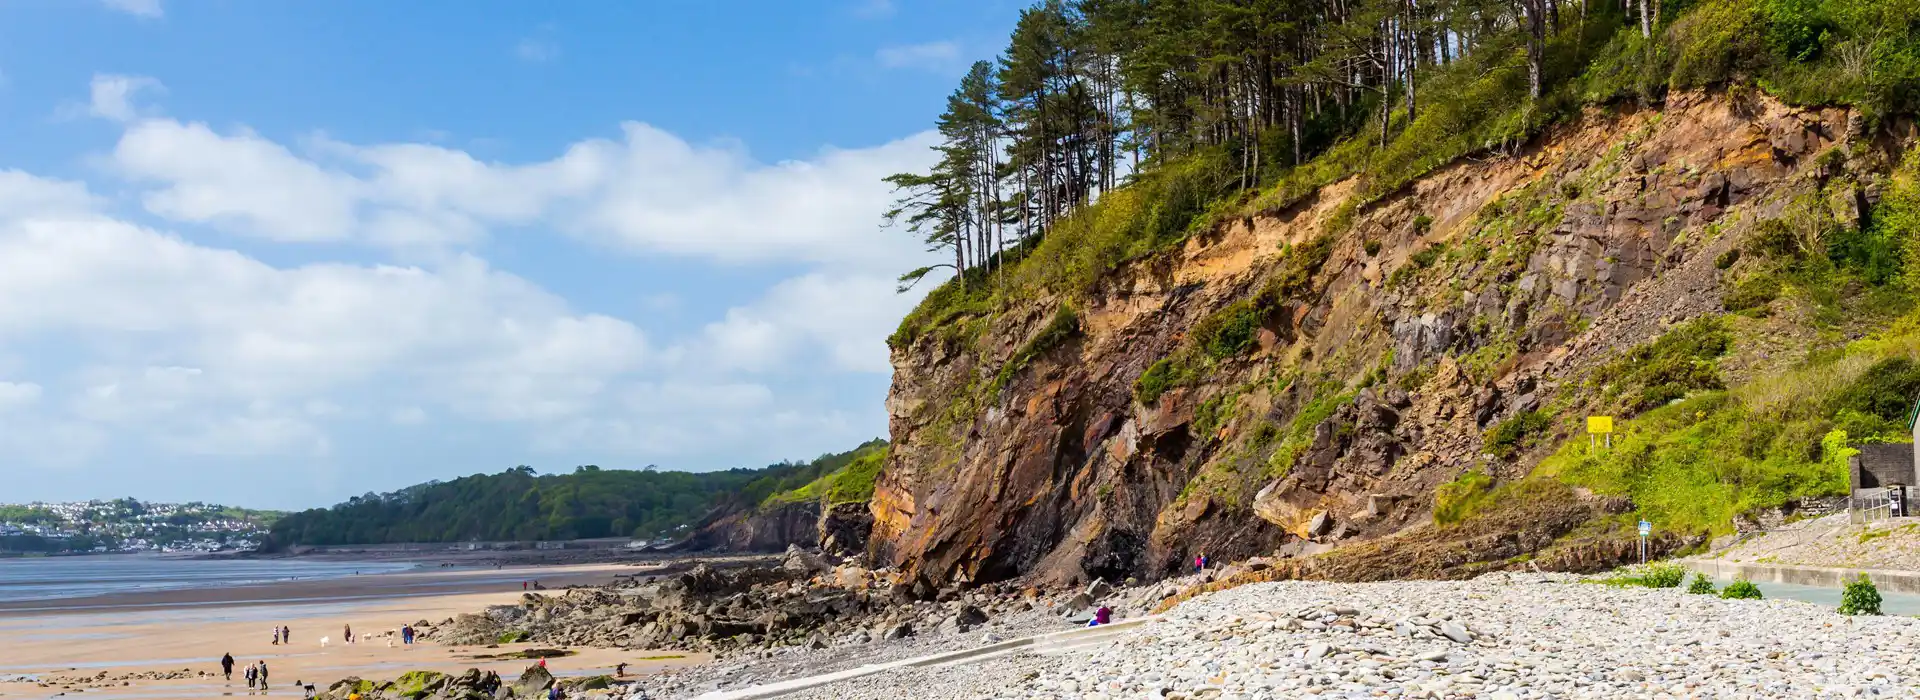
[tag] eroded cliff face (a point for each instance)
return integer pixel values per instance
(1478, 292)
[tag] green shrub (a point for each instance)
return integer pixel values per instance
(1159, 377)
(854, 482)
(1741, 590)
(1886, 390)
(1678, 363)
(1426, 256)
(1753, 292)
(1700, 585)
(511, 637)
(1665, 575)
(1656, 575)
(1517, 433)
(1228, 332)
(1299, 432)
(1695, 465)
(1371, 246)
(1861, 597)
(1459, 499)
(1422, 223)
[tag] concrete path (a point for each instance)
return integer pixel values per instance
(1046, 644)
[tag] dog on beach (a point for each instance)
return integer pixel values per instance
(323, 642)
(308, 688)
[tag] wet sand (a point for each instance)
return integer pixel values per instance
(166, 631)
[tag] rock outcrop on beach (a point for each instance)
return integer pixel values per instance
(811, 599)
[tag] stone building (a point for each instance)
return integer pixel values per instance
(1887, 475)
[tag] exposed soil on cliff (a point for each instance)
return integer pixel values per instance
(1388, 342)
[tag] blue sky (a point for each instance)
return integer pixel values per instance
(276, 254)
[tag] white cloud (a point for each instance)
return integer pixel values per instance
(649, 192)
(169, 344)
(141, 8)
(938, 56)
(111, 96)
(18, 394)
(845, 315)
(23, 194)
(240, 182)
(536, 50)
(228, 329)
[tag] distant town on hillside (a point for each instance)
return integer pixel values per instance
(129, 525)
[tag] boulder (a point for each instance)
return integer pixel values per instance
(535, 681)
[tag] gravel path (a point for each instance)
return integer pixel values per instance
(1503, 636)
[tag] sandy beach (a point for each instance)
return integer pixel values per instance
(128, 634)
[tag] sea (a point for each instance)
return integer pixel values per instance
(47, 578)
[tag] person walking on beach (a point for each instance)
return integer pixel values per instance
(263, 674)
(253, 676)
(226, 666)
(348, 635)
(286, 634)
(620, 670)
(276, 636)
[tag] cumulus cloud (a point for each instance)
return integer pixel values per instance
(112, 95)
(650, 192)
(844, 315)
(175, 344)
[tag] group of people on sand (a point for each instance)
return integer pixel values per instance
(282, 635)
(255, 673)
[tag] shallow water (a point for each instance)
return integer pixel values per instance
(1890, 603)
(46, 578)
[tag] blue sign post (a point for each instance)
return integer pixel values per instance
(1646, 528)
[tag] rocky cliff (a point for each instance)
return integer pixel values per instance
(1307, 377)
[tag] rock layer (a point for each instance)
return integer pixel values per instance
(1597, 238)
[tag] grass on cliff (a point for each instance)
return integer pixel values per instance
(1861, 53)
(1696, 463)
(852, 483)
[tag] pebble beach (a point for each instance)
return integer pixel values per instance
(1501, 637)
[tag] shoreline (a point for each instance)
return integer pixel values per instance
(166, 643)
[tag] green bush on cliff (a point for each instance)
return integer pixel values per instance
(1457, 500)
(1299, 433)
(1695, 465)
(850, 483)
(1854, 52)
(1700, 585)
(1517, 433)
(1678, 363)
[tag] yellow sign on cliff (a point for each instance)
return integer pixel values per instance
(1599, 425)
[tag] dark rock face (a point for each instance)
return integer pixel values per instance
(840, 529)
(1543, 265)
(753, 530)
(844, 529)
